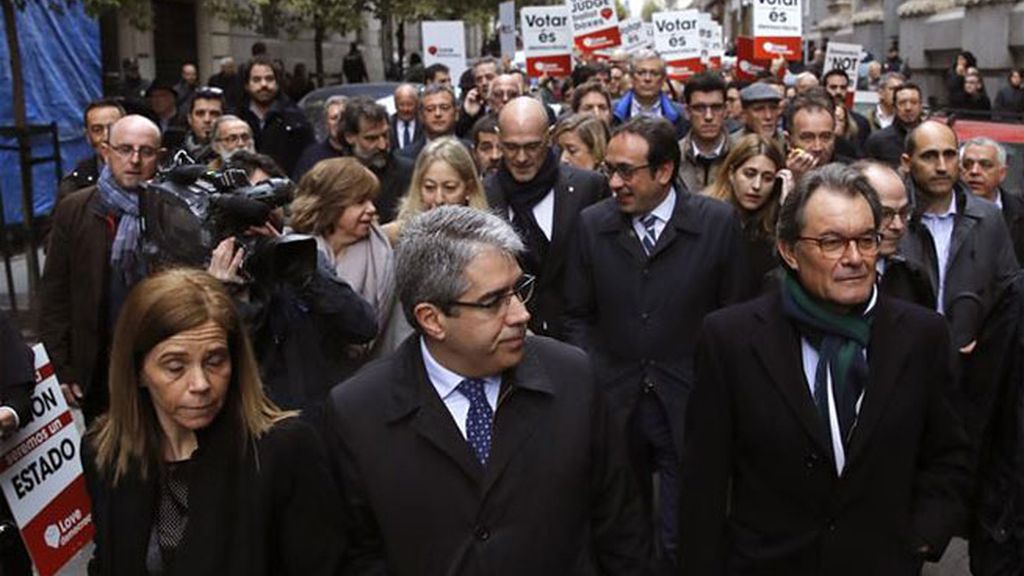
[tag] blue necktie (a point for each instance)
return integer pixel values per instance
(649, 239)
(405, 137)
(478, 419)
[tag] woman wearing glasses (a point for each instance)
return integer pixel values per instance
(334, 203)
(444, 175)
(193, 470)
(753, 179)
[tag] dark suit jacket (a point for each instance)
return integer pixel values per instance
(412, 152)
(285, 133)
(638, 316)
(760, 493)
(266, 513)
(394, 184)
(575, 190)
(981, 262)
(417, 133)
(1013, 213)
(556, 497)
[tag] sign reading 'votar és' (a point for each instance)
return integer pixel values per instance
(595, 24)
(778, 29)
(634, 36)
(41, 475)
(677, 39)
(547, 40)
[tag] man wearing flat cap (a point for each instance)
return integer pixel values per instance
(761, 111)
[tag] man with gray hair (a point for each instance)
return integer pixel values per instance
(228, 135)
(646, 98)
(477, 448)
(819, 426)
(983, 169)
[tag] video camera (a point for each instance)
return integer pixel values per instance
(187, 210)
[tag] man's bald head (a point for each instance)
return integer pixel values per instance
(932, 161)
(132, 151)
(523, 132)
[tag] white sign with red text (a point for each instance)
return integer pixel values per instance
(444, 42)
(547, 40)
(41, 474)
(778, 29)
(677, 39)
(595, 24)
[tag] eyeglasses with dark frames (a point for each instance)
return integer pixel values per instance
(835, 246)
(625, 171)
(522, 289)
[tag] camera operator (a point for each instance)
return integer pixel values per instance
(300, 315)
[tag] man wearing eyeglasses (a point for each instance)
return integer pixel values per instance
(706, 145)
(477, 448)
(229, 135)
(437, 111)
(99, 116)
(645, 268)
(647, 98)
(820, 438)
(94, 259)
(542, 198)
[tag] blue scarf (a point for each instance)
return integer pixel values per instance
(124, 255)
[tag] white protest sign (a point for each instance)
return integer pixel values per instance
(717, 50)
(547, 40)
(778, 29)
(444, 42)
(845, 57)
(595, 24)
(41, 475)
(507, 29)
(677, 39)
(634, 35)
(706, 28)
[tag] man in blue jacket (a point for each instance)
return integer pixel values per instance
(647, 97)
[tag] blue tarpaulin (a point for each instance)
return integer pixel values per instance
(60, 56)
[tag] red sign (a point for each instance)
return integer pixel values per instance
(771, 47)
(554, 66)
(63, 528)
(599, 39)
(683, 69)
(748, 68)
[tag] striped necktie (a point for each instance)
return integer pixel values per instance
(650, 238)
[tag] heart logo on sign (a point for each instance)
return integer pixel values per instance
(606, 13)
(432, 50)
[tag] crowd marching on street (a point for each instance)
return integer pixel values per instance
(605, 323)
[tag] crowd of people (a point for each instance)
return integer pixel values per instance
(613, 324)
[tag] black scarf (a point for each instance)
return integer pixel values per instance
(522, 197)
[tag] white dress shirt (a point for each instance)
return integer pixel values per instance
(543, 213)
(446, 382)
(664, 213)
(400, 132)
(941, 228)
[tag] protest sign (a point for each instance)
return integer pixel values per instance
(595, 25)
(705, 27)
(634, 35)
(717, 50)
(547, 40)
(444, 42)
(507, 29)
(778, 29)
(41, 475)
(845, 57)
(677, 39)
(748, 67)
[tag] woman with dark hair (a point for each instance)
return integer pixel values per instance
(747, 180)
(193, 470)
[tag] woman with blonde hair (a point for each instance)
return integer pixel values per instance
(334, 204)
(753, 179)
(444, 175)
(583, 139)
(193, 470)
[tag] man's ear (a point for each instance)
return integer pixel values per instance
(664, 174)
(788, 253)
(431, 319)
(105, 152)
(350, 139)
(905, 163)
